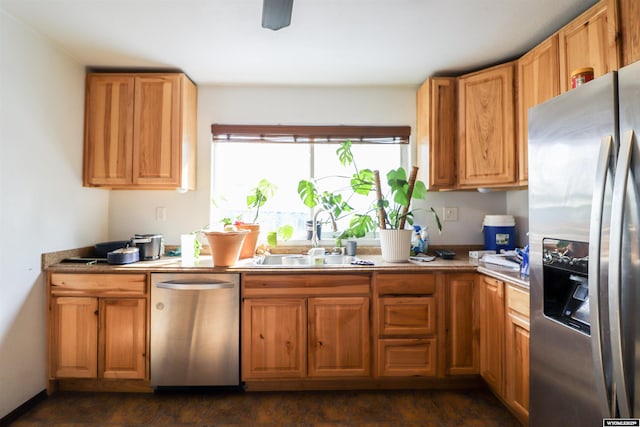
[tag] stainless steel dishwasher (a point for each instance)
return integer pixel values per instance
(195, 330)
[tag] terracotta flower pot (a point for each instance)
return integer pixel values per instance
(251, 241)
(225, 246)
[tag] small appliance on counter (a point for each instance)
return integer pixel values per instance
(100, 250)
(141, 247)
(123, 256)
(150, 245)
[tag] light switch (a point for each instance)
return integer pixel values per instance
(161, 213)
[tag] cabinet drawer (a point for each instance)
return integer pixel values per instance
(98, 284)
(407, 316)
(407, 357)
(518, 300)
(405, 284)
(296, 285)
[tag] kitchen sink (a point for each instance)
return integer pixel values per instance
(293, 260)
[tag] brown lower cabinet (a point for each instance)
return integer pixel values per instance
(407, 324)
(504, 343)
(463, 328)
(517, 352)
(98, 326)
(378, 328)
(305, 326)
(492, 333)
(274, 338)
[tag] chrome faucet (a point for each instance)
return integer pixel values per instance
(314, 224)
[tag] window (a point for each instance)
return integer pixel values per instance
(284, 155)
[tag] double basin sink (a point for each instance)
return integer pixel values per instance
(301, 261)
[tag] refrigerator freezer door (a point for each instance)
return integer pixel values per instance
(565, 137)
(625, 244)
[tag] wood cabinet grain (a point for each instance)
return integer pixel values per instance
(538, 81)
(98, 331)
(517, 353)
(590, 40)
(407, 324)
(339, 342)
(274, 338)
(492, 332)
(486, 128)
(140, 131)
(629, 12)
(436, 131)
(463, 324)
(74, 340)
(305, 326)
(121, 338)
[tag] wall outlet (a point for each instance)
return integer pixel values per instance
(450, 214)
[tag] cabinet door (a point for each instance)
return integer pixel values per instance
(339, 343)
(74, 337)
(108, 141)
(123, 338)
(538, 81)
(589, 41)
(486, 127)
(274, 340)
(629, 11)
(156, 152)
(492, 332)
(463, 332)
(435, 131)
(517, 352)
(517, 365)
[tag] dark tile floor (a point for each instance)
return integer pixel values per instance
(476, 408)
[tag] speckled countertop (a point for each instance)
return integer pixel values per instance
(461, 263)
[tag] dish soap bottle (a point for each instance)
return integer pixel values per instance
(417, 243)
(425, 240)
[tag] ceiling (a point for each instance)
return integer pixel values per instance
(329, 42)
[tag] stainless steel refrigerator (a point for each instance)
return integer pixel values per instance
(584, 228)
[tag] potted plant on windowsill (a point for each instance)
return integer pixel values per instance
(360, 183)
(255, 199)
(393, 211)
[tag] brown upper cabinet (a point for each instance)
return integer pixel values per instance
(629, 12)
(435, 131)
(474, 133)
(538, 80)
(140, 131)
(590, 40)
(486, 128)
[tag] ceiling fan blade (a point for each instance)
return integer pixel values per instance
(276, 14)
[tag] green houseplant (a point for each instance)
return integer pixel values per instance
(255, 199)
(394, 212)
(358, 184)
(392, 209)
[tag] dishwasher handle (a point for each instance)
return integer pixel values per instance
(194, 285)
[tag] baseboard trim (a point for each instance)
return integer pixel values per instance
(22, 409)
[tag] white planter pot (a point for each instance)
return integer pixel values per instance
(395, 245)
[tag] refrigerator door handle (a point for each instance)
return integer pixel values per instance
(615, 272)
(595, 253)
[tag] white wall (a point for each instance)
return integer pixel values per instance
(518, 206)
(134, 211)
(43, 206)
